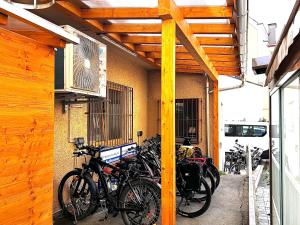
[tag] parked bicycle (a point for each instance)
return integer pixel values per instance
(209, 169)
(113, 189)
(193, 195)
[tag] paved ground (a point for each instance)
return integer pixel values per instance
(263, 198)
(229, 206)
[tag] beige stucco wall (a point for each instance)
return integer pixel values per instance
(122, 69)
(68, 125)
(187, 86)
(126, 70)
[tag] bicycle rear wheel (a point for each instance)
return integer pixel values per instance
(216, 174)
(77, 195)
(142, 196)
(210, 179)
(193, 203)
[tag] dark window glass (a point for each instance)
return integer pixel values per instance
(187, 119)
(233, 130)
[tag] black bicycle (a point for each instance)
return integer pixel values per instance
(114, 188)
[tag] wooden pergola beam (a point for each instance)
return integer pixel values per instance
(203, 12)
(215, 123)
(219, 69)
(156, 28)
(223, 58)
(184, 33)
(190, 71)
(228, 69)
(194, 63)
(180, 48)
(183, 55)
(168, 159)
(213, 41)
(98, 27)
(3, 19)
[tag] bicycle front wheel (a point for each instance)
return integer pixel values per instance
(77, 195)
(140, 202)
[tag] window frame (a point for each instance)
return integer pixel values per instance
(101, 135)
(195, 117)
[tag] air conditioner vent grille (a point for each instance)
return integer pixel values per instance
(86, 65)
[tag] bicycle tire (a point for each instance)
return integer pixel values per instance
(92, 189)
(205, 206)
(212, 181)
(216, 174)
(152, 188)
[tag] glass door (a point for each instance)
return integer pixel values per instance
(291, 152)
(276, 158)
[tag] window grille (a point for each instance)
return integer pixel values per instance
(110, 120)
(186, 119)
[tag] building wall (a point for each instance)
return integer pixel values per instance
(187, 86)
(26, 126)
(122, 69)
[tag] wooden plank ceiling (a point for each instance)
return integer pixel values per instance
(123, 25)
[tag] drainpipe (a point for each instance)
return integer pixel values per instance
(207, 117)
(243, 16)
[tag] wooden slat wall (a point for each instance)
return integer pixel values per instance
(26, 130)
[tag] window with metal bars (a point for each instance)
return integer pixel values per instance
(187, 119)
(110, 120)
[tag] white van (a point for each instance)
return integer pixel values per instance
(247, 133)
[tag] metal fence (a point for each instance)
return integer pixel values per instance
(110, 120)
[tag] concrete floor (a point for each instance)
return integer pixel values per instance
(229, 206)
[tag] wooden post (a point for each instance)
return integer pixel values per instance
(168, 194)
(216, 123)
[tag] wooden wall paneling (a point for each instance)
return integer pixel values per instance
(26, 127)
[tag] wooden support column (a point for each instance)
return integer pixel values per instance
(215, 118)
(168, 194)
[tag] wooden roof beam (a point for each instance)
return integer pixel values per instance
(214, 41)
(203, 12)
(3, 19)
(197, 71)
(195, 63)
(220, 58)
(98, 27)
(167, 10)
(156, 28)
(180, 48)
(178, 70)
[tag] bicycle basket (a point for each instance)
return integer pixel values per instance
(190, 173)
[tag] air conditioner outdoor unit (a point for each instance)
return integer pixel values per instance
(81, 68)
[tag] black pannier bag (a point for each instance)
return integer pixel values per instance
(190, 174)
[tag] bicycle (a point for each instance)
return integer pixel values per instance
(120, 190)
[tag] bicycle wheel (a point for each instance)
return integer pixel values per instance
(235, 168)
(193, 203)
(215, 173)
(77, 195)
(210, 179)
(142, 196)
